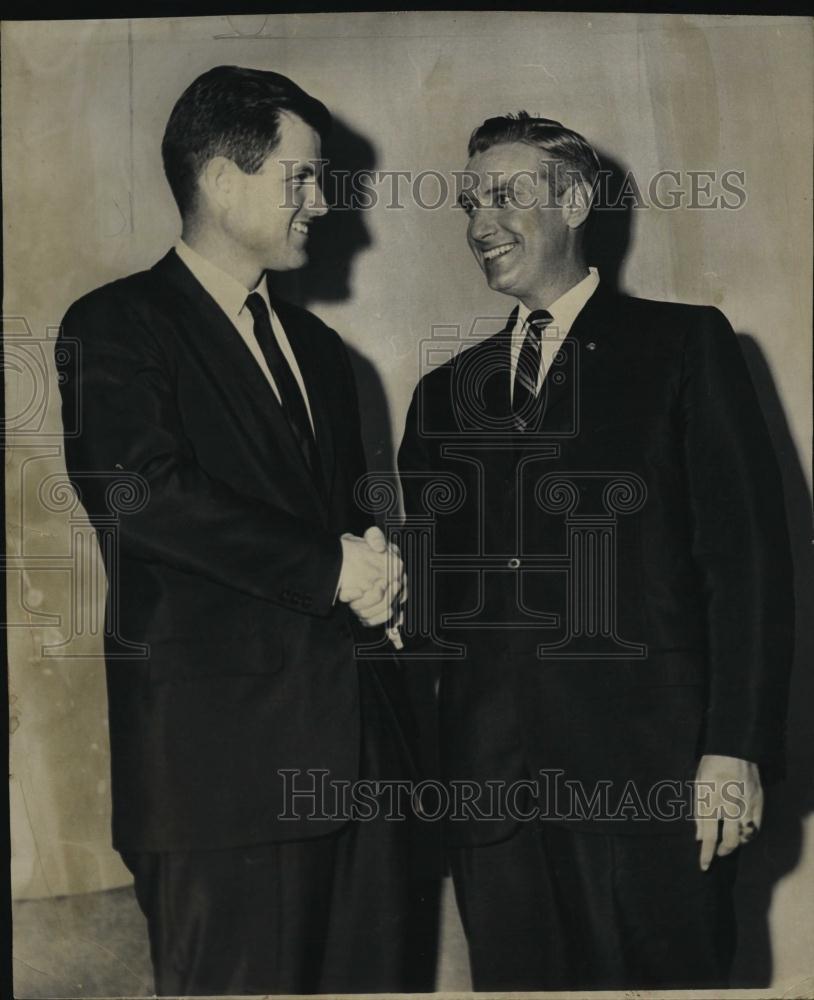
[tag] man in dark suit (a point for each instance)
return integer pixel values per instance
(610, 579)
(220, 436)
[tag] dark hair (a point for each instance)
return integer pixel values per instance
(235, 112)
(561, 144)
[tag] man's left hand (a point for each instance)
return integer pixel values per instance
(727, 789)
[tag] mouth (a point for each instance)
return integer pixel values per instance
(300, 227)
(499, 251)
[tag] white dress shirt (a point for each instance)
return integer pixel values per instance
(231, 296)
(564, 311)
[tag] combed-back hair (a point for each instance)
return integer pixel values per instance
(571, 151)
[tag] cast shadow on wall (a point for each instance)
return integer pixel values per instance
(610, 225)
(335, 241)
(776, 852)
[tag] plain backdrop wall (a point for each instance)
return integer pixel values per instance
(85, 201)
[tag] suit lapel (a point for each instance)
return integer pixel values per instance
(583, 351)
(218, 347)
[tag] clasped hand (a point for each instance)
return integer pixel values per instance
(372, 578)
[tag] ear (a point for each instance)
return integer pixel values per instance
(218, 181)
(576, 204)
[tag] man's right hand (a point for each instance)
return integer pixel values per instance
(372, 576)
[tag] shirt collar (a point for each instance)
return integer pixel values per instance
(227, 291)
(567, 307)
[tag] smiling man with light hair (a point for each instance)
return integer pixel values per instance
(624, 595)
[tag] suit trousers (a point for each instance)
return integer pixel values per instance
(338, 913)
(551, 908)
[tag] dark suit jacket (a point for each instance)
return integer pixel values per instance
(225, 561)
(645, 516)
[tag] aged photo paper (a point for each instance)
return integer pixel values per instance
(702, 126)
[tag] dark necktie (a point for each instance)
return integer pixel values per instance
(524, 395)
(290, 395)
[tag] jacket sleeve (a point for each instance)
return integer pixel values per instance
(418, 464)
(413, 459)
(121, 386)
(740, 545)
(354, 457)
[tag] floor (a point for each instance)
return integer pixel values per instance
(81, 946)
(95, 945)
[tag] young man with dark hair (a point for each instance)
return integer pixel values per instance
(243, 566)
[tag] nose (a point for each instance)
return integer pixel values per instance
(315, 204)
(481, 224)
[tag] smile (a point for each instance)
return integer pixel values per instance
(500, 251)
(300, 227)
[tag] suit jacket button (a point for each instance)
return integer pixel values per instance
(514, 563)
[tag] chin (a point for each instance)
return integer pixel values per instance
(291, 263)
(504, 287)
(298, 259)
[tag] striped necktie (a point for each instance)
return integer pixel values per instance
(529, 362)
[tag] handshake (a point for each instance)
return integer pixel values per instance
(372, 578)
